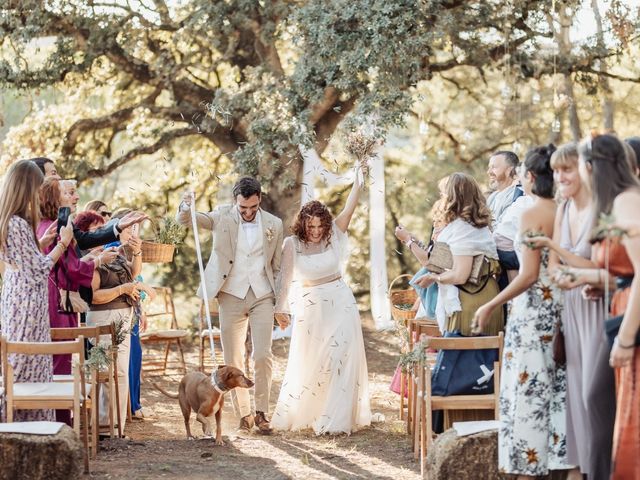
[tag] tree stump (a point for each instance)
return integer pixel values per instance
(49, 457)
(471, 456)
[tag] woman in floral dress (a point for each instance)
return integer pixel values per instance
(532, 436)
(24, 301)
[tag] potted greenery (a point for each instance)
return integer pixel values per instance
(167, 234)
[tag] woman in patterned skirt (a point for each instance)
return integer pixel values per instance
(24, 302)
(532, 436)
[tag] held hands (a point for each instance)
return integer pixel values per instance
(187, 198)
(283, 319)
(481, 318)
(48, 236)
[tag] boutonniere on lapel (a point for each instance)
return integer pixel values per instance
(269, 233)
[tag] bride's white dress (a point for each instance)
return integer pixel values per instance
(325, 386)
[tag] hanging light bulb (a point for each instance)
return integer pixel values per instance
(467, 135)
(556, 125)
(535, 98)
(442, 154)
(424, 127)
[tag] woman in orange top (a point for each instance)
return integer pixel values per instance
(605, 166)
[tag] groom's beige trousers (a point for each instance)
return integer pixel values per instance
(235, 314)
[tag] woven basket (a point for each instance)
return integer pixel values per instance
(400, 298)
(157, 252)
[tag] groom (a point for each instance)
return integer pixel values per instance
(241, 272)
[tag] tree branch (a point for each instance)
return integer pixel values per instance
(165, 139)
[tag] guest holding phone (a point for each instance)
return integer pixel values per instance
(115, 293)
(58, 201)
(23, 304)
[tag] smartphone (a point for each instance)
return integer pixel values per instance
(63, 217)
(135, 230)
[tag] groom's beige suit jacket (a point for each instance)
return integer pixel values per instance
(224, 221)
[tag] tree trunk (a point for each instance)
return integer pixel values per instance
(603, 82)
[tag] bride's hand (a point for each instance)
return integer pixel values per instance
(283, 319)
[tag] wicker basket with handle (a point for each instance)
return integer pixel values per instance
(157, 252)
(402, 300)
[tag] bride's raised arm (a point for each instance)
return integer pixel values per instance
(344, 218)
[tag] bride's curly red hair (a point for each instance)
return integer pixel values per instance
(311, 209)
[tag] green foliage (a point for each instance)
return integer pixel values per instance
(169, 231)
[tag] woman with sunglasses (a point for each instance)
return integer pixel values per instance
(100, 207)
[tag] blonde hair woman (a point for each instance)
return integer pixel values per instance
(24, 301)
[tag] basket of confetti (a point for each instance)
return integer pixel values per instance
(402, 300)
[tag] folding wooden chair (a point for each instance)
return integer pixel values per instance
(429, 402)
(98, 378)
(416, 328)
(170, 336)
(55, 395)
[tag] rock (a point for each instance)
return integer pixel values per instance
(471, 456)
(49, 457)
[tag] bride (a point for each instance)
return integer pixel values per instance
(325, 386)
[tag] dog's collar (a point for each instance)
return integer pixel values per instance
(219, 386)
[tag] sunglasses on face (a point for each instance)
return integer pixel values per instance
(105, 214)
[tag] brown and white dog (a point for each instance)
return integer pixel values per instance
(205, 396)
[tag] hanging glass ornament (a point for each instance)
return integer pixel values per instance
(535, 98)
(442, 154)
(424, 128)
(556, 126)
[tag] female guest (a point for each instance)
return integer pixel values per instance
(604, 157)
(24, 301)
(325, 386)
(100, 207)
(467, 234)
(67, 276)
(114, 295)
(532, 437)
(582, 319)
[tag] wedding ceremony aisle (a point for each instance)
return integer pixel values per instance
(157, 446)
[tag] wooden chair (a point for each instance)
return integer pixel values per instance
(204, 332)
(98, 378)
(416, 328)
(429, 402)
(170, 336)
(54, 395)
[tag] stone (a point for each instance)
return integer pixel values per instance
(35, 457)
(472, 456)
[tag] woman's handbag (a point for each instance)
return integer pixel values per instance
(70, 301)
(441, 259)
(559, 353)
(612, 327)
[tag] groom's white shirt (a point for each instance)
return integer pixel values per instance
(248, 266)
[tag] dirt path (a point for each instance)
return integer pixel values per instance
(158, 447)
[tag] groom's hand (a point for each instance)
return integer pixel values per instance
(283, 319)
